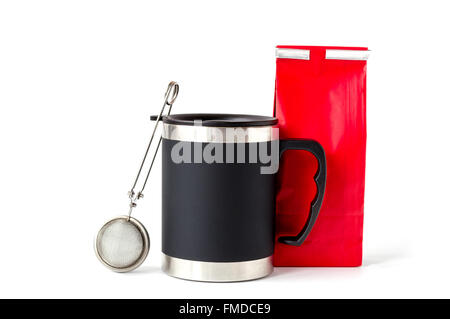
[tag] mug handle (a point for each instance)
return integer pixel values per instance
(320, 178)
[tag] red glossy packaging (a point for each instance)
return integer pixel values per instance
(320, 94)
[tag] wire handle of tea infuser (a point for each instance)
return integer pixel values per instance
(169, 98)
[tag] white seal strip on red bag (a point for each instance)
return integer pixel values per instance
(358, 55)
(298, 54)
(331, 54)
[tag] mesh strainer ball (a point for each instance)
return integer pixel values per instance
(122, 244)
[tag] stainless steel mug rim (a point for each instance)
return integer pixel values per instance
(211, 134)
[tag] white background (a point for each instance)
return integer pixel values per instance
(79, 79)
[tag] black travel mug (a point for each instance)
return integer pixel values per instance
(218, 195)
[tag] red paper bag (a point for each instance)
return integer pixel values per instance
(320, 94)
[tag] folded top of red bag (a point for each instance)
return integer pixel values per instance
(314, 47)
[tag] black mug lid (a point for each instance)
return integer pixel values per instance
(219, 120)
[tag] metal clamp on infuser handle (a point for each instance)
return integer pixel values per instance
(169, 99)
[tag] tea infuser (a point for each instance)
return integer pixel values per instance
(123, 243)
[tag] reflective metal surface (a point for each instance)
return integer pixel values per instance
(208, 134)
(298, 54)
(332, 54)
(145, 244)
(217, 271)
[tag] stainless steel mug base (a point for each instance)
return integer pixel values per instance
(217, 271)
